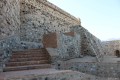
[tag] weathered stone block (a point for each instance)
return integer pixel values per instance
(70, 34)
(50, 40)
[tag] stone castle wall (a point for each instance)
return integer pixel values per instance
(9, 28)
(26, 21)
(9, 17)
(23, 23)
(30, 19)
(110, 47)
(39, 17)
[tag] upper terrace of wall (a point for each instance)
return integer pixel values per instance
(51, 8)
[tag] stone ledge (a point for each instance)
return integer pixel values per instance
(49, 74)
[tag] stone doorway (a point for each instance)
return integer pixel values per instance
(117, 53)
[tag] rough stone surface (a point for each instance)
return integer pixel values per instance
(52, 74)
(98, 69)
(6, 47)
(50, 40)
(23, 24)
(110, 47)
(9, 27)
(75, 44)
(9, 17)
(67, 46)
(90, 45)
(51, 19)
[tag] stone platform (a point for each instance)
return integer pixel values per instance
(15, 75)
(49, 74)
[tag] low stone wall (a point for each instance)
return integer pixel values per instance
(94, 68)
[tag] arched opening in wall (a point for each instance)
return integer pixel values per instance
(117, 53)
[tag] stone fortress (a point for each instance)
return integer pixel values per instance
(39, 41)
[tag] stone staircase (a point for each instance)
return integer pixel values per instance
(28, 59)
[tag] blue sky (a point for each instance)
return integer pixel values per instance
(100, 17)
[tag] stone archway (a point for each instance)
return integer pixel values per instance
(117, 53)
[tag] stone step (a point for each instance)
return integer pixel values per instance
(31, 50)
(28, 59)
(26, 53)
(10, 64)
(19, 68)
(31, 55)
